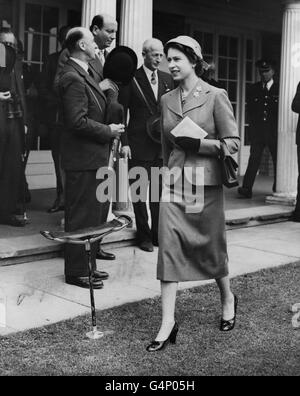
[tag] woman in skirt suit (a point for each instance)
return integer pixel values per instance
(192, 245)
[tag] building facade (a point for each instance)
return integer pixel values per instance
(233, 33)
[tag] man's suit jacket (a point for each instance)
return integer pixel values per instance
(86, 139)
(210, 108)
(46, 88)
(142, 146)
(97, 69)
(95, 65)
(296, 109)
(263, 105)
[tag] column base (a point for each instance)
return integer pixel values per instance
(282, 199)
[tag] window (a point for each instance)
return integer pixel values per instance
(206, 40)
(41, 27)
(228, 67)
(249, 80)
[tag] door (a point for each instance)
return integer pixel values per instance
(234, 55)
(40, 21)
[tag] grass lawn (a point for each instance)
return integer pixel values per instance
(263, 342)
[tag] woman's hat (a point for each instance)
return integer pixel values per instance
(189, 42)
(120, 65)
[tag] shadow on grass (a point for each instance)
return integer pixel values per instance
(263, 342)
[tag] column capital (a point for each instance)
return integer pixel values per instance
(90, 8)
(136, 24)
(291, 4)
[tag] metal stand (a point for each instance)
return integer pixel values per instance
(87, 238)
(94, 334)
(25, 156)
(24, 163)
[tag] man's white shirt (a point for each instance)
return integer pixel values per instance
(82, 64)
(270, 84)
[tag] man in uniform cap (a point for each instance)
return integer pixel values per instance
(53, 118)
(12, 129)
(262, 109)
(296, 109)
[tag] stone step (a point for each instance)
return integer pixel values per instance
(35, 247)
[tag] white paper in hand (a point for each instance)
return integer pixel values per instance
(188, 128)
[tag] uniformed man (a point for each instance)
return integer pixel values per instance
(296, 109)
(12, 129)
(53, 118)
(262, 108)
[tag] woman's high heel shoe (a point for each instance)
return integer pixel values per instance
(228, 325)
(160, 345)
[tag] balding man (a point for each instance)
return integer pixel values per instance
(104, 28)
(85, 148)
(142, 98)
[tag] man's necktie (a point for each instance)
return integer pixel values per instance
(153, 78)
(102, 57)
(90, 72)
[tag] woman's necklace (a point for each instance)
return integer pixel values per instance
(183, 96)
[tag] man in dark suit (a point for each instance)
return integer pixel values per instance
(53, 117)
(262, 107)
(296, 109)
(104, 28)
(85, 148)
(138, 146)
(12, 130)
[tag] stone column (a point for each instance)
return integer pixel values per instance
(287, 170)
(136, 24)
(90, 8)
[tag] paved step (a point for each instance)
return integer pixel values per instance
(31, 248)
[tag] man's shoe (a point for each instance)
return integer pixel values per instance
(100, 275)
(13, 221)
(102, 255)
(155, 241)
(245, 192)
(295, 217)
(84, 282)
(146, 246)
(58, 206)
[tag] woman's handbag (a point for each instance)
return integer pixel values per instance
(229, 167)
(153, 125)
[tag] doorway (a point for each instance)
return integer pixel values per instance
(39, 23)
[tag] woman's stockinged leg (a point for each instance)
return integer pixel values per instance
(168, 301)
(227, 298)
